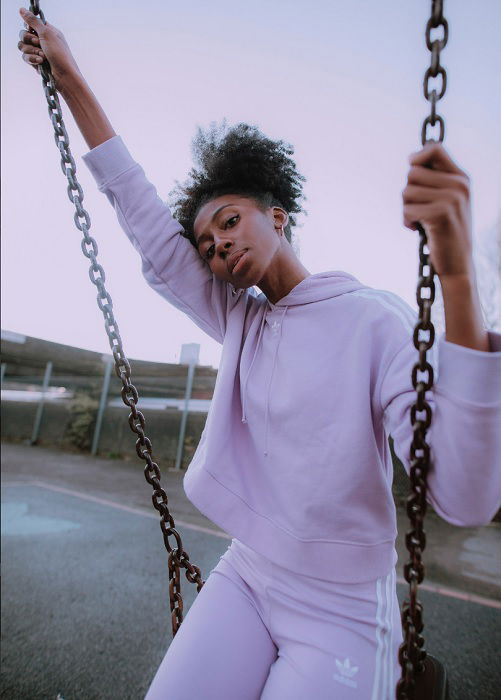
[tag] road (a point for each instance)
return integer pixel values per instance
(85, 609)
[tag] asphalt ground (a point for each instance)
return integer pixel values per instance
(85, 609)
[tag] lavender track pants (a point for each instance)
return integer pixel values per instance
(257, 630)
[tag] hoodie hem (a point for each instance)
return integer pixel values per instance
(338, 562)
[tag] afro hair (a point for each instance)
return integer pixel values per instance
(238, 160)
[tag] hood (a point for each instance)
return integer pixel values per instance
(323, 285)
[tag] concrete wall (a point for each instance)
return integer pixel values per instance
(117, 439)
(75, 368)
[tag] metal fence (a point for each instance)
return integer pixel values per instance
(49, 393)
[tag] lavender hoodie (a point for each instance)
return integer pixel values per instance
(294, 458)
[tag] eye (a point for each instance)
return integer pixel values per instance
(210, 252)
(231, 221)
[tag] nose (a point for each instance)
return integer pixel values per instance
(223, 247)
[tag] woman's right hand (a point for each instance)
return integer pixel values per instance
(47, 43)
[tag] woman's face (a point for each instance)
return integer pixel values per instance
(237, 239)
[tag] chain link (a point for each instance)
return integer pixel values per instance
(177, 556)
(412, 654)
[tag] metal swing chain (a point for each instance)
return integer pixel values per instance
(177, 556)
(412, 653)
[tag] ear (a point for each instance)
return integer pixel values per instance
(280, 218)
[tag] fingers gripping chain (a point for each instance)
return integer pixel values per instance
(412, 654)
(177, 556)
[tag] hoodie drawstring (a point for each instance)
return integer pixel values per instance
(244, 388)
(267, 410)
(268, 394)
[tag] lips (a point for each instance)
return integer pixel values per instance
(234, 258)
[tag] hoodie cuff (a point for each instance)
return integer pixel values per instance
(471, 375)
(108, 160)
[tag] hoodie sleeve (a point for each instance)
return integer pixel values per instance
(170, 263)
(464, 481)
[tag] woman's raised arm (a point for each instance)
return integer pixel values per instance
(48, 43)
(171, 265)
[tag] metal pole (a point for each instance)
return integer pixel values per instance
(102, 404)
(184, 417)
(4, 367)
(38, 417)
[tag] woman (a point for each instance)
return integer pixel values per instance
(314, 377)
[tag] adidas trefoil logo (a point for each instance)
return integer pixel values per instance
(345, 669)
(345, 673)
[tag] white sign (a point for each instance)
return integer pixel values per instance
(189, 354)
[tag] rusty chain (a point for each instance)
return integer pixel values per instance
(412, 654)
(177, 556)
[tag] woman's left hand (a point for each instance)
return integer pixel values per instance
(437, 195)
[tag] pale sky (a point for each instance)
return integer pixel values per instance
(341, 81)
